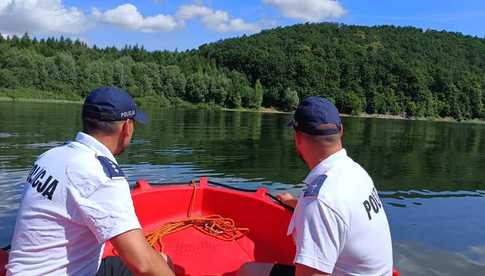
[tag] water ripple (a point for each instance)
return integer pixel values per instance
(6, 134)
(413, 194)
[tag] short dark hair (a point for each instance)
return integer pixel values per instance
(93, 126)
(324, 140)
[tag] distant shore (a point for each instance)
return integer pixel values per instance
(25, 100)
(261, 110)
(366, 115)
(430, 119)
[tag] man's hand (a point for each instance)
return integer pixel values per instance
(168, 260)
(139, 256)
(287, 199)
(303, 270)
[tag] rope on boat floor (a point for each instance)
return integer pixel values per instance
(214, 225)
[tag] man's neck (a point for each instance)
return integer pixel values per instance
(318, 156)
(107, 141)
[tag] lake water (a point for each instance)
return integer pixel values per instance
(431, 175)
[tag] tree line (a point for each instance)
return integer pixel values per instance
(383, 69)
(71, 67)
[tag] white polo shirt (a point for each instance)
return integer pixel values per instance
(76, 197)
(339, 224)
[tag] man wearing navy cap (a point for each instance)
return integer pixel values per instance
(76, 198)
(338, 225)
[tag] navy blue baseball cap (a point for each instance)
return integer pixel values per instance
(112, 104)
(316, 116)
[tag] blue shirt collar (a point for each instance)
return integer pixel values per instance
(95, 145)
(324, 165)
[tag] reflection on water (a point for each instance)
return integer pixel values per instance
(430, 174)
(420, 260)
(5, 135)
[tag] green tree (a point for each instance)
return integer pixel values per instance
(289, 99)
(382, 69)
(350, 103)
(219, 86)
(197, 88)
(257, 97)
(8, 79)
(247, 96)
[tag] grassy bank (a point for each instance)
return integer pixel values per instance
(32, 95)
(152, 101)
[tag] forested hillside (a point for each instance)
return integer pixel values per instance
(72, 69)
(386, 69)
(382, 69)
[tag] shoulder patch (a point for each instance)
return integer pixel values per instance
(110, 168)
(313, 188)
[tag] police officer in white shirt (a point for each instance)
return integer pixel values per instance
(76, 197)
(339, 225)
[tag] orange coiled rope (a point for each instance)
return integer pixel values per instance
(215, 225)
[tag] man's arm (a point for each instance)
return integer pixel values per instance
(139, 256)
(303, 270)
(320, 235)
(288, 199)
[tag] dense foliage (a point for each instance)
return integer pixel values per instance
(66, 66)
(385, 69)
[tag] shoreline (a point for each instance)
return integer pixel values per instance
(271, 110)
(27, 100)
(370, 116)
(424, 119)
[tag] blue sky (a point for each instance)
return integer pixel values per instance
(186, 24)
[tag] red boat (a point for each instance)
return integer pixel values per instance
(211, 229)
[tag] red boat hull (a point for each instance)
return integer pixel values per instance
(195, 253)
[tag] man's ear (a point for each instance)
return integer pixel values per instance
(125, 127)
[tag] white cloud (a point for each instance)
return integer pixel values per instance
(41, 17)
(48, 17)
(128, 17)
(193, 11)
(215, 20)
(309, 10)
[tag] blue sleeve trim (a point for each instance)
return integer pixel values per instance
(313, 188)
(110, 168)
